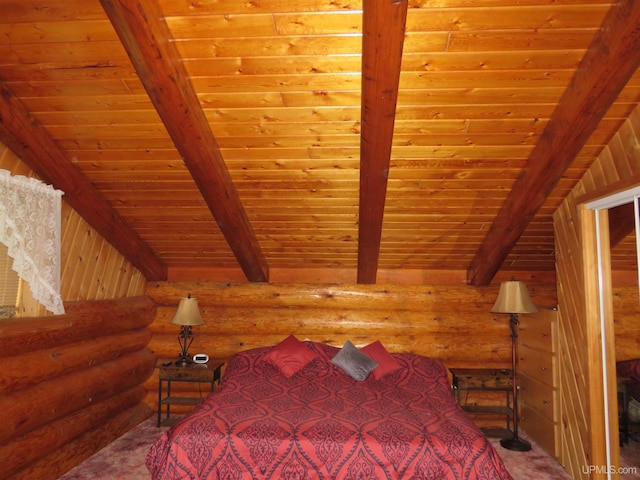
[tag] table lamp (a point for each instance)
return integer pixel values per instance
(188, 315)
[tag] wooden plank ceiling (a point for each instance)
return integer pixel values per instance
(422, 135)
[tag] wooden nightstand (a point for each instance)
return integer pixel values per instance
(194, 373)
(485, 380)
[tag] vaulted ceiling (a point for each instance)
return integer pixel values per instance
(313, 134)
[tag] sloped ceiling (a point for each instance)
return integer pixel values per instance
(355, 136)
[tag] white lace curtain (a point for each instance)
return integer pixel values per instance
(30, 217)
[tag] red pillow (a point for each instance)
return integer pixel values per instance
(290, 356)
(386, 363)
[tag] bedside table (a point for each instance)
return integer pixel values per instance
(485, 380)
(194, 373)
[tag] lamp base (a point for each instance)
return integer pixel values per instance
(516, 444)
(183, 361)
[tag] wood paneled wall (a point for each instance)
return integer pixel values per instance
(71, 384)
(91, 269)
(537, 370)
(619, 161)
(452, 323)
(574, 365)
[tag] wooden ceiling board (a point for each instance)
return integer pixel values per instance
(279, 88)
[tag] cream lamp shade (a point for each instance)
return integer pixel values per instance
(188, 313)
(513, 298)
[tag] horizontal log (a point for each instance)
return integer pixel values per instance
(341, 296)
(84, 320)
(315, 321)
(221, 314)
(31, 368)
(28, 449)
(38, 405)
(58, 462)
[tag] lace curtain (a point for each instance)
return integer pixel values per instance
(30, 217)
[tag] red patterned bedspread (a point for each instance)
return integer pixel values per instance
(630, 369)
(322, 424)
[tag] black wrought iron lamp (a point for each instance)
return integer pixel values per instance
(513, 299)
(187, 316)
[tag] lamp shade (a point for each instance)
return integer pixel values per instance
(188, 313)
(513, 298)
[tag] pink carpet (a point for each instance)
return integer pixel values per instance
(124, 459)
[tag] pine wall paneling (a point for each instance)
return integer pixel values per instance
(618, 164)
(91, 269)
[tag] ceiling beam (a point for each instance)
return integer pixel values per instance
(23, 134)
(612, 58)
(383, 27)
(147, 39)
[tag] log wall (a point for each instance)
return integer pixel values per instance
(452, 322)
(71, 384)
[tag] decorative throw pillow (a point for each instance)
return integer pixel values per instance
(290, 356)
(353, 361)
(386, 363)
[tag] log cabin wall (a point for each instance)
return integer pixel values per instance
(70, 384)
(620, 160)
(450, 322)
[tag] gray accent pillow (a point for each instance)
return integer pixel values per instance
(357, 364)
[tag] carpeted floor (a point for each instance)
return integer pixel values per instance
(124, 459)
(630, 454)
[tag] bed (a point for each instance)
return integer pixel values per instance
(630, 371)
(306, 410)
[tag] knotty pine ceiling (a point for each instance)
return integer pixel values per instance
(359, 136)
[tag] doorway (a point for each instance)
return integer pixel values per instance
(596, 228)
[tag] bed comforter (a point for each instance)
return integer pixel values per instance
(322, 424)
(630, 370)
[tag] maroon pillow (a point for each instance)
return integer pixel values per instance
(386, 363)
(290, 356)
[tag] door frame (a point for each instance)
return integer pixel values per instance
(598, 295)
